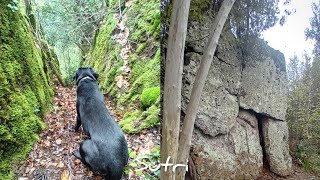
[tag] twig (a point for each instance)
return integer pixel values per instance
(120, 8)
(68, 155)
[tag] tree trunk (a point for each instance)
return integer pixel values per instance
(172, 85)
(192, 109)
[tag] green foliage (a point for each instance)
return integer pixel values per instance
(70, 56)
(25, 91)
(72, 40)
(254, 17)
(304, 111)
(138, 161)
(149, 96)
(313, 32)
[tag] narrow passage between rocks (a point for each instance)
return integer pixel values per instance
(51, 157)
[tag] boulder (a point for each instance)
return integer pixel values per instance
(236, 155)
(275, 137)
(242, 88)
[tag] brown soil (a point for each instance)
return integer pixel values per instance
(298, 174)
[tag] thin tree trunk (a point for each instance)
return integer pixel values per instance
(172, 85)
(192, 109)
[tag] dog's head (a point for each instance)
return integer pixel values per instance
(85, 72)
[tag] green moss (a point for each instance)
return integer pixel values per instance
(141, 47)
(129, 121)
(149, 96)
(152, 116)
(50, 61)
(136, 120)
(105, 55)
(144, 20)
(144, 26)
(103, 45)
(25, 92)
(197, 8)
(113, 71)
(115, 4)
(144, 75)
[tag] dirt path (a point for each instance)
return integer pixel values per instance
(51, 157)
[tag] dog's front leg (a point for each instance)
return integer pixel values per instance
(78, 124)
(76, 153)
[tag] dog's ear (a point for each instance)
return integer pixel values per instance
(75, 77)
(96, 75)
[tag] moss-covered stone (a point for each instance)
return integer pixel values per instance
(144, 75)
(128, 124)
(25, 90)
(136, 120)
(149, 96)
(143, 21)
(152, 115)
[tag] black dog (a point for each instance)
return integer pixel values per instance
(106, 151)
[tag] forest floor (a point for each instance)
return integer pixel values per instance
(51, 157)
(298, 173)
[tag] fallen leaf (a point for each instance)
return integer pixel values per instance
(77, 161)
(65, 175)
(43, 162)
(60, 165)
(59, 141)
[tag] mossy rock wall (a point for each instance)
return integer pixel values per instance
(143, 22)
(26, 87)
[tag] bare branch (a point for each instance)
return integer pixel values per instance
(192, 108)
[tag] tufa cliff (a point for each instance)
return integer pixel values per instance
(240, 126)
(126, 54)
(26, 70)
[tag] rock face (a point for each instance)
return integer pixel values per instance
(275, 135)
(26, 92)
(264, 86)
(128, 69)
(242, 108)
(237, 155)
